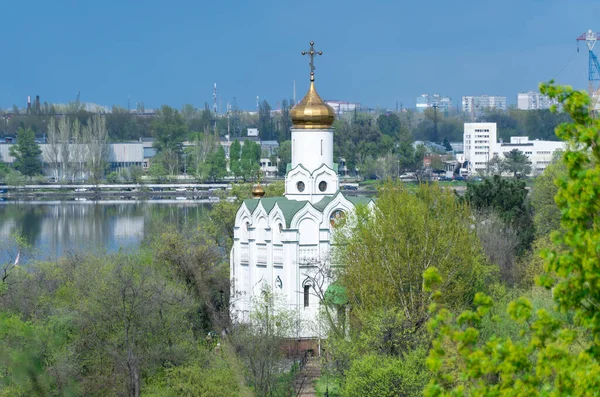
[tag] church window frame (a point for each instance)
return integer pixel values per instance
(300, 186)
(307, 295)
(337, 217)
(322, 186)
(306, 286)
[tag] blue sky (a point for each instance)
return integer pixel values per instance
(375, 52)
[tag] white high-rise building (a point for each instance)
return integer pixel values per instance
(479, 142)
(475, 105)
(481, 145)
(532, 100)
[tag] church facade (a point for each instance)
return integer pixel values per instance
(279, 242)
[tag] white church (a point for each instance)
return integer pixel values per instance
(278, 241)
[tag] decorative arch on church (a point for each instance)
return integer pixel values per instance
(298, 181)
(308, 211)
(324, 180)
(307, 284)
(339, 203)
(277, 224)
(260, 229)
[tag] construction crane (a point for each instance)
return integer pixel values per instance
(590, 39)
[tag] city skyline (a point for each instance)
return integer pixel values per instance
(376, 55)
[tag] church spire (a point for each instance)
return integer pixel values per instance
(312, 112)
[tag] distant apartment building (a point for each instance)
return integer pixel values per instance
(539, 152)
(427, 101)
(479, 140)
(475, 105)
(340, 107)
(532, 100)
(481, 145)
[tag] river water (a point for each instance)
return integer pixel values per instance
(55, 228)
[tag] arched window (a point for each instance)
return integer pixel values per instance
(306, 295)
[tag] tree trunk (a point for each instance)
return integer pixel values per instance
(134, 375)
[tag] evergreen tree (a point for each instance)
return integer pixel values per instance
(517, 162)
(27, 153)
(447, 145)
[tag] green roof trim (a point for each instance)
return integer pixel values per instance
(324, 202)
(289, 208)
(335, 168)
(251, 204)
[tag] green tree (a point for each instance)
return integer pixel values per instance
(169, 130)
(284, 155)
(447, 145)
(507, 198)
(265, 122)
(389, 124)
(250, 159)
(546, 213)
(555, 355)
(385, 252)
(217, 164)
(517, 162)
(235, 151)
(27, 153)
(4, 170)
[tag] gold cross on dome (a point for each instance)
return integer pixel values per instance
(311, 53)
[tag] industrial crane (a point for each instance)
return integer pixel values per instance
(590, 39)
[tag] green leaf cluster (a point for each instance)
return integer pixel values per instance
(554, 353)
(27, 153)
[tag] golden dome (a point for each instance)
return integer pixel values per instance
(312, 113)
(258, 191)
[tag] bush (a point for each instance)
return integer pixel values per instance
(195, 380)
(113, 177)
(383, 376)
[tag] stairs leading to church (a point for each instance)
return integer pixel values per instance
(303, 384)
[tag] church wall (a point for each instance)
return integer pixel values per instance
(311, 148)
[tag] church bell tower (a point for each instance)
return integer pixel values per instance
(313, 174)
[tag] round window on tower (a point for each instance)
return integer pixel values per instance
(300, 186)
(322, 186)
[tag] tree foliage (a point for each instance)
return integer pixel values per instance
(517, 162)
(508, 198)
(387, 249)
(27, 153)
(556, 355)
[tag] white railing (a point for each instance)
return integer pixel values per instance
(278, 255)
(245, 253)
(308, 255)
(261, 254)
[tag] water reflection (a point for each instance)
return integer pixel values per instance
(55, 228)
